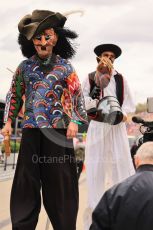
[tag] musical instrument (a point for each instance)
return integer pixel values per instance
(108, 111)
(105, 65)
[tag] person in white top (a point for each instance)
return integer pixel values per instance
(107, 153)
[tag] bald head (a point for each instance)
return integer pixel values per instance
(144, 154)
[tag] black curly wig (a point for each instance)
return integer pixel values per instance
(63, 46)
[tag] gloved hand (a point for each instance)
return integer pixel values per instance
(95, 93)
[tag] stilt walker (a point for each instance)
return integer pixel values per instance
(54, 106)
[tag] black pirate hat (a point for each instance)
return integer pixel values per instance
(108, 47)
(33, 24)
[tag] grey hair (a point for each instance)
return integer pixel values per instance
(145, 152)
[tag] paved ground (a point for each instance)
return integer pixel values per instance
(7, 167)
(5, 188)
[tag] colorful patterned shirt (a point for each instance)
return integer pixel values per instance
(52, 93)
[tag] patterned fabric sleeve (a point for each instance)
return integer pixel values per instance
(14, 96)
(78, 111)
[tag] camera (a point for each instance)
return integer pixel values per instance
(146, 128)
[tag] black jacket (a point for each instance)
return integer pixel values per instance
(128, 205)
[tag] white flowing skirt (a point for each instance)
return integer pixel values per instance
(108, 161)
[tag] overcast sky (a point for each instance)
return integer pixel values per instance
(125, 23)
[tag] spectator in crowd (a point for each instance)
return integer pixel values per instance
(129, 204)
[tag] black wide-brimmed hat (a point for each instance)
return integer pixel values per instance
(108, 47)
(33, 24)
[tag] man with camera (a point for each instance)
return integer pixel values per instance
(108, 159)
